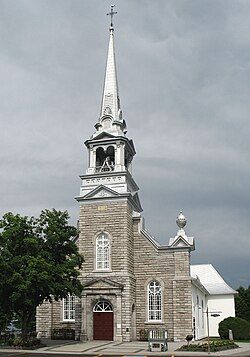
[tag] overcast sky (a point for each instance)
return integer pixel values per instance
(184, 80)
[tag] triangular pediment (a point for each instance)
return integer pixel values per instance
(102, 284)
(104, 135)
(101, 191)
(180, 242)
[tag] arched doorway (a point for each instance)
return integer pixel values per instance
(103, 321)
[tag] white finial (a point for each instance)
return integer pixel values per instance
(181, 220)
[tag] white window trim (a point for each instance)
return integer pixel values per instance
(63, 310)
(109, 254)
(104, 305)
(148, 319)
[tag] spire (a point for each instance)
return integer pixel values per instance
(110, 98)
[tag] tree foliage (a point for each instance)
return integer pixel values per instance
(242, 303)
(38, 259)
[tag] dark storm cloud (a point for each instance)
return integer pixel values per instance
(183, 71)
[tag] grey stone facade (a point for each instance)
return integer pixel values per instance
(135, 261)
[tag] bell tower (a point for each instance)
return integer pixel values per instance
(109, 204)
(110, 151)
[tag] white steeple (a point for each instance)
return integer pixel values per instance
(109, 171)
(110, 119)
(110, 97)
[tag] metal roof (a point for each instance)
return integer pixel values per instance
(211, 279)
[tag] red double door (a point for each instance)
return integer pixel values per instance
(103, 325)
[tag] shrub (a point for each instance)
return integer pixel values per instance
(19, 342)
(63, 334)
(214, 346)
(240, 328)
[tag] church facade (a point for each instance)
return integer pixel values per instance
(131, 282)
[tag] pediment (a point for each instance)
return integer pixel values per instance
(101, 191)
(104, 135)
(180, 242)
(102, 284)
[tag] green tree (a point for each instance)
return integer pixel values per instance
(242, 303)
(38, 259)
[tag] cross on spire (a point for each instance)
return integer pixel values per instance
(111, 14)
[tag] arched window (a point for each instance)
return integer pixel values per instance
(154, 301)
(69, 308)
(102, 252)
(103, 306)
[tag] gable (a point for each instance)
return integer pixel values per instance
(102, 284)
(180, 242)
(104, 135)
(101, 191)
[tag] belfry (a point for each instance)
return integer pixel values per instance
(110, 151)
(131, 283)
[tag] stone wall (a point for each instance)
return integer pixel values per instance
(43, 320)
(171, 268)
(115, 219)
(49, 316)
(135, 261)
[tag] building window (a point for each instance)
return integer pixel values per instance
(102, 252)
(103, 306)
(202, 306)
(69, 308)
(198, 310)
(154, 301)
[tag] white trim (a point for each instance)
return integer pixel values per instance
(70, 310)
(155, 311)
(108, 247)
(104, 306)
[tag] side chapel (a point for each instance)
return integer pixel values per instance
(131, 282)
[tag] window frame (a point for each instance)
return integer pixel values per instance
(155, 302)
(202, 316)
(108, 254)
(71, 308)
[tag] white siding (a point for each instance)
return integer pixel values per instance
(223, 303)
(198, 312)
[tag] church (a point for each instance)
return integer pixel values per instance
(131, 283)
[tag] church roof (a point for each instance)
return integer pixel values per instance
(211, 279)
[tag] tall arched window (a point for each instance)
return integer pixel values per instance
(103, 252)
(154, 301)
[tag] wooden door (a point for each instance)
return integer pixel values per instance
(103, 325)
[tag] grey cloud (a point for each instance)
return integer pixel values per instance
(183, 70)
